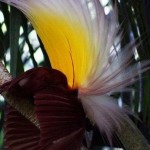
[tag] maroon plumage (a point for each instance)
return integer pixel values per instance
(20, 133)
(57, 108)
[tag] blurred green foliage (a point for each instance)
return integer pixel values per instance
(135, 18)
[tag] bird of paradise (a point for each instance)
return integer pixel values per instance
(80, 44)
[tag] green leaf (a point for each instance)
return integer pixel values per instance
(15, 20)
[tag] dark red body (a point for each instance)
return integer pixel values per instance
(57, 108)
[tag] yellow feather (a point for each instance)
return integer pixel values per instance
(66, 42)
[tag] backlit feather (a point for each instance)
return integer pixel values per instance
(76, 38)
(79, 39)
